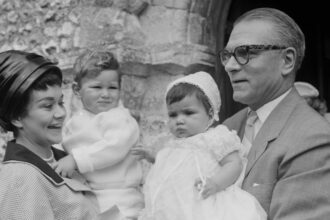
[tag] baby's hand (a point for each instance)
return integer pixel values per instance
(143, 153)
(65, 166)
(206, 188)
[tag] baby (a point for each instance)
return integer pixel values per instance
(100, 136)
(195, 176)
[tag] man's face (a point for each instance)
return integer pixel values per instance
(260, 80)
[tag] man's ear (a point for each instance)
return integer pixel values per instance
(75, 89)
(17, 123)
(289, 60)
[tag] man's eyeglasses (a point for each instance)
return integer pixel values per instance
(242, 53)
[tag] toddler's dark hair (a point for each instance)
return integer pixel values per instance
(91, 63)
(180, 91)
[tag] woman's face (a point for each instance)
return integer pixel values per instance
(42, 122)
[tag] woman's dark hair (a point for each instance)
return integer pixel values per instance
(21, 73)
(91, 63)
(180, 91)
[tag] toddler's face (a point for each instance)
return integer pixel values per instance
(187, 117)
(101, 93)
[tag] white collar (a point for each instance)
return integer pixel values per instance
(264, 111)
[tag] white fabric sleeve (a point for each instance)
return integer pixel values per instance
(119, 133)
(222, 142)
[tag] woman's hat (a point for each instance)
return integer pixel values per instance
(306, 90)
(207, 85)
(18, 71)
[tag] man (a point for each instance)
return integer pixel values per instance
(288, 168)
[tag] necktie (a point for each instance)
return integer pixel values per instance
(249, 127)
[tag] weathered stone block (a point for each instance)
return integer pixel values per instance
(106, 26)
(66, 29)
(175, 4)
(162, 25)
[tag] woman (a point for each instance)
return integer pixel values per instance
(31, 106)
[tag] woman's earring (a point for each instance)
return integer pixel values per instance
(211, 113)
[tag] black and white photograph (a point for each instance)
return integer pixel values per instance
(164, 110)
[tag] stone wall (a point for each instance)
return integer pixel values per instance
(154, 40)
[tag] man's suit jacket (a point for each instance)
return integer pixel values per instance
(290, 174)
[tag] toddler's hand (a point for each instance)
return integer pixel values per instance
(142, 153)
(65, 166)
(206, 188)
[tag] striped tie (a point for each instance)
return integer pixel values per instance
(249, 127)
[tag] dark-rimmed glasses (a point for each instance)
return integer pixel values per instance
(242, 53)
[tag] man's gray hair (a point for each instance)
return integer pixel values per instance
(289, 33)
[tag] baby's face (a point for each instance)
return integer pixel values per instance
(188, 117)
(101, 93)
